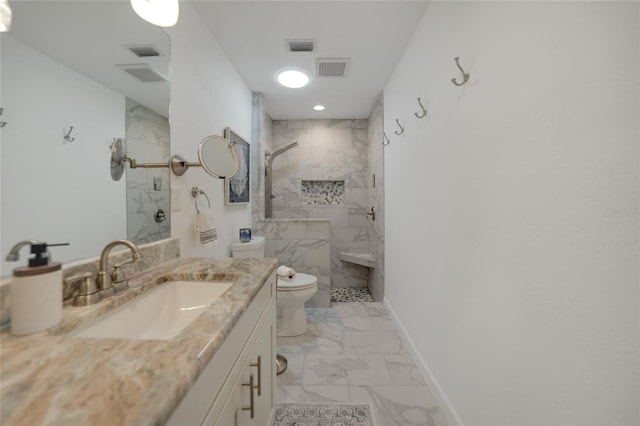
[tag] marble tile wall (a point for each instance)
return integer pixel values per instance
(152, 254)
(327, 150)
(147, 136)
(376, 199)
(301, 244)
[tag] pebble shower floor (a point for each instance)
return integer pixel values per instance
(351, 294)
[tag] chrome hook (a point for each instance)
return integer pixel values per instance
(401, 128)
(2, 123)
(385, 140)
(465, 76)
(424, 110)
(68, 137)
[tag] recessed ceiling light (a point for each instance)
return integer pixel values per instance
(163, 13)
(319, 107)
(5, 16)
(293, 79)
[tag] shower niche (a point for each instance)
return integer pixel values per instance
(322, 192)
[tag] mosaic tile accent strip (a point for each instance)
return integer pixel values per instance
(329, 192)
(351, 294)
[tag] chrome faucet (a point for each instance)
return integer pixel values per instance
(110, 283)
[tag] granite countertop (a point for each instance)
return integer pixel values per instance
(52, 378)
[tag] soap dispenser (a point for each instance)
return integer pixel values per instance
(36, 290)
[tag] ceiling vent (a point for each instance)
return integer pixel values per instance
(143, 73)
(332, 67)
(143, 50)
(306, 45)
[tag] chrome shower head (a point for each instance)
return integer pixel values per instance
(272, 156)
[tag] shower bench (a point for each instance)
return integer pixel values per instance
(364, 259)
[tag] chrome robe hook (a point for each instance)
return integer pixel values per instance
(2, 123)
(385, 140)
(401, 128)
(68, 137)
(465, 76)
(424, 110)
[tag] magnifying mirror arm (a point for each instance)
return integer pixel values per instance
(212, 147)
(135, 165)
(178, 165)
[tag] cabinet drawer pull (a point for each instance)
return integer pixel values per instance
(251, 407)
(259, 365)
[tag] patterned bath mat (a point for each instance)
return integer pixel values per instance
(323, 415)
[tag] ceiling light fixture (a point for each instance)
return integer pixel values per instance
(319, 107)
(5, 16)
(163, 13)
(293, 79)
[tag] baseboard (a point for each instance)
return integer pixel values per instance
(449, 412)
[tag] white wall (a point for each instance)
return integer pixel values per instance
(512, 213)
(50, 190)
(207, 95)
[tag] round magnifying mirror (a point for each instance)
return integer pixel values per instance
(118, 155)
(219, 157)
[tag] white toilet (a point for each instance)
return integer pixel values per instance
(290, 295)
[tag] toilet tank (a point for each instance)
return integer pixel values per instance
(253, 248)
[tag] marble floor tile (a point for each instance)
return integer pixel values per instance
(382, 324)
(403, 370)
(353, 353)
(356, 323)
(322, 327)
(366, 323)
(323, 315)
(373, 342)
(400, 405)
(297, 393)
(360, 309)
(313, 341)
(345, 369)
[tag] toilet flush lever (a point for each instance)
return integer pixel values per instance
(372, 213)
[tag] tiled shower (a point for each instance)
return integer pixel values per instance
(336, 174)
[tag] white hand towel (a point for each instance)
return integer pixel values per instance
(285, 272)
(205, 228)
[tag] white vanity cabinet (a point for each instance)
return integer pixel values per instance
(251, 399)
(222, 395)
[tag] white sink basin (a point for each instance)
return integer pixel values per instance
(160, 314)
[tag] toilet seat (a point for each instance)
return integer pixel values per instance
(299, 282)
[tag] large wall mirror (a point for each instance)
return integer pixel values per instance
(97, 67)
